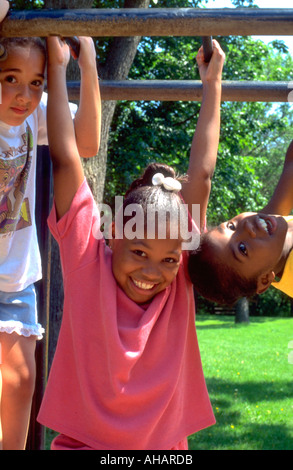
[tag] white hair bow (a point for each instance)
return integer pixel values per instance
(168, 182)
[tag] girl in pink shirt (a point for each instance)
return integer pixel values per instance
(127, 372)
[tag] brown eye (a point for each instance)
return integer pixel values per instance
(10, 79)
(139, 253)
(231, 226)
(242, 249)
(37, 83)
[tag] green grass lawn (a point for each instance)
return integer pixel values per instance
(250, 381)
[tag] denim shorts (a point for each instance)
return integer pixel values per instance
(18, 313)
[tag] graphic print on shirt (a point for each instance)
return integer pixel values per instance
(15, 164)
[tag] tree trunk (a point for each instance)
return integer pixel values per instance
(116, 67)
(242, 311)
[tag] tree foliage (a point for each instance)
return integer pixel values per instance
(251, 133)
(25, 4)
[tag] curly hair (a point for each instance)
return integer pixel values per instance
(214, 280)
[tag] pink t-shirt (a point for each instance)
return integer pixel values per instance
(123, 376)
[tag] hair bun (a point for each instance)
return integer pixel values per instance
(149, 172)
(169, 183)
(156, 168)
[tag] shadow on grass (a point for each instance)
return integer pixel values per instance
(235, 432)
(252, 392)
(251, 437)
(224, 321)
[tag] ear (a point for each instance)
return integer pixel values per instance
(264, 281)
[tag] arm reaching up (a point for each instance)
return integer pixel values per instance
(205, 142)
(67, 168)
(87, 121)
(282, 199)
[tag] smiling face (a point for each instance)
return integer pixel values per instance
(22, 83)
(145, 267)
(253, 244)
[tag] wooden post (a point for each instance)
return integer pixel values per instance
(36, 437)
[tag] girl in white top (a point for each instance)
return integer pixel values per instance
(22, 128)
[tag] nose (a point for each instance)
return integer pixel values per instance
(151, 272)
(23, 93)
(249, 228)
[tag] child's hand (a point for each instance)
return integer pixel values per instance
(211, 71)
(87, 55)
(4, 7)
(58, 51)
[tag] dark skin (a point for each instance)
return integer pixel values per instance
(258, 244)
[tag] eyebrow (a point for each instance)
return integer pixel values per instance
(19, 71)
(11, 70)
(145, 244)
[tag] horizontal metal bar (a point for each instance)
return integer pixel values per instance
(98, 22)
(188, 90)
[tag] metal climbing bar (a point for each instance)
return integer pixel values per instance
(207, 43)
(188, 90)
(99, 22)
(162, 22)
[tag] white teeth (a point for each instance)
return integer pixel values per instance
(264, 224)
(143, 285)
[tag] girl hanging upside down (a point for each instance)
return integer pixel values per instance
(245, 255)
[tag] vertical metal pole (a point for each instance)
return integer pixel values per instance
(207, 42)
(36, 436)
